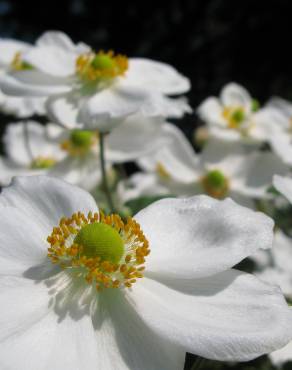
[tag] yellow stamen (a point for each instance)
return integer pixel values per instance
(94, 67)
(96, 270)
(43, 162)
(162, 171)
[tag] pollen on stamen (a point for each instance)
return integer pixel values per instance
(99, 267)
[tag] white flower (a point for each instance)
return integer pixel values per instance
(280, 133)
(276, 269)
(235, 116)
(21, 107)
(32, 148)
(188, 298)
(223, 169)
(96, 90)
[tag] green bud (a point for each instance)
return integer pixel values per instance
(100, 240)
(216, 179)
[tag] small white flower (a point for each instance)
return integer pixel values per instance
(96, 90)
(223, 169)
(235, 116)
(32, 148)
(18, 106)
(163, 285)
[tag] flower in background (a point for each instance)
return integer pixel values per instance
(274, 266)
(280, 134)
(10, 53)
(235, 116)
(164, 285)
(93, 90)
(222, 169)
(73, 155)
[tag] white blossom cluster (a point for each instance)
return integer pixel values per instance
(149, 273)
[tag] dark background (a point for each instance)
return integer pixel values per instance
(210, 41)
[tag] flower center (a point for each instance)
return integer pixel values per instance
(101, 66)
(18, 64)
(105, 250)
(80, 142)
(42, 163)
(234, 116)
(215, 184)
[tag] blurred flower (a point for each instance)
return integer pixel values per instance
(73, 155)
(280, 133)
(95, 90)
(222, 169)
(164, 286)
(21, 107)
(235, 116)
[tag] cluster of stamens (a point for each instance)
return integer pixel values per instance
(66, 250)
(42, 162)
(93, 67)
(18, 64)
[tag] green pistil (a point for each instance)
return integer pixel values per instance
(215, 184)
(102, 62)
(255, 105)
(81, 138)
(100, 240)
(238, 116)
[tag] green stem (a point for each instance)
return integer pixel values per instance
(198, 363)
(103, 173)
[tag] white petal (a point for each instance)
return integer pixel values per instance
(32, 83)
(84, 172)
(284, 186)
(64, 109)
(257, 176)
(22, 107)
(52, 60)
(42, 330)
(141, 184)
(46, 199)
(22, 243)
(282, 355)
(27, 140)
(157, 76)
(282, 252)
(177, 157)
(235, 95)
(201, 236)
(61, 40)
(9, 169)
(137, 345)
(134, 137)
(210, 111)
(231, 316)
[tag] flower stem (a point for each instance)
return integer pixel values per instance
(198, 363)
(103, 173)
